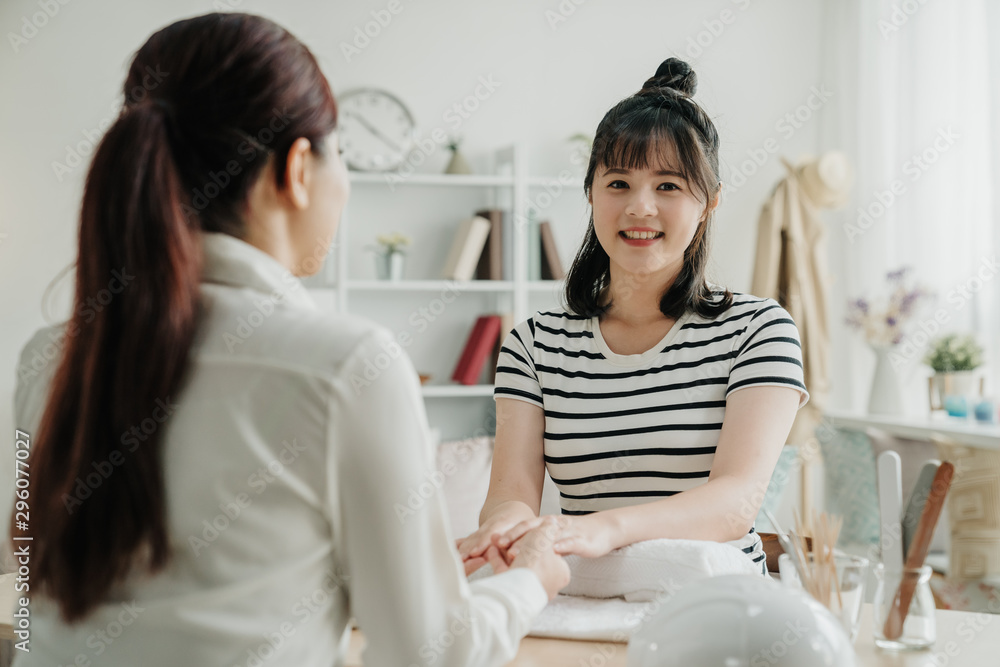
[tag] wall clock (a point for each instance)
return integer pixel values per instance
(375, 130)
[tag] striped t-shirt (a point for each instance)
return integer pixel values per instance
(621, 430)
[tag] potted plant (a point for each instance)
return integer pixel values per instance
(883, 327)
(457, 164)
(954, 359)
(579, 156)
(389, 255)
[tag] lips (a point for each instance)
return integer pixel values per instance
(647, 237)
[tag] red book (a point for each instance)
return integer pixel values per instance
(477, 348)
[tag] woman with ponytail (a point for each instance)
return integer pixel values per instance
(657, 402)
(210, 484)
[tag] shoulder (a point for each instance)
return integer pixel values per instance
(39, 358)
(744, 311)
(557, 321)
(311, 341)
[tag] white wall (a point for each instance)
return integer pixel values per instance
(556, 78)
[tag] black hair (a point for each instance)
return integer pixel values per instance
(660, 116)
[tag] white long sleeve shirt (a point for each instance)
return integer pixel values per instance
(299, 492)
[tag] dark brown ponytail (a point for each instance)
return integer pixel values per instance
(208, 102)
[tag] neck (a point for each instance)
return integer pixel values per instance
(271, 234)
(636, 297)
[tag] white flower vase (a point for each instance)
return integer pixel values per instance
(887, 395)
(389, 266)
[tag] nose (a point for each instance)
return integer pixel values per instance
(642, 204)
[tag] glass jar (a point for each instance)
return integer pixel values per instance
(919, 629)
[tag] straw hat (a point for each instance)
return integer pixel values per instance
(827, 180)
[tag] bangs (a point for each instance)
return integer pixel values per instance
(657, 139)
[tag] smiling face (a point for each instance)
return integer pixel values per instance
(646, 217)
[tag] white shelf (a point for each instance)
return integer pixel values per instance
(456, 390)
(545, 285)
(431, 285)
(460, 180)
(964, 431)
(542, 181)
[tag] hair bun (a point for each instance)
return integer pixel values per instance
(672, 73)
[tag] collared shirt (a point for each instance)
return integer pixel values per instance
(300, 492)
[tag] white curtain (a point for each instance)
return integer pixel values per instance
(917, 106)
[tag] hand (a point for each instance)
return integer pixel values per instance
(590, 535)
(476, 544)
(535, 553)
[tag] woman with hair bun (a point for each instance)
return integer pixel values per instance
(657, 401)
(209, 482)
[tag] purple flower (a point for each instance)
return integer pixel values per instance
(891, 321)
(898, 274)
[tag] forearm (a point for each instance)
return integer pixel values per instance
(719, 510)
(505, 507)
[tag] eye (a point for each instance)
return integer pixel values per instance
(618, 185)
(670, 186)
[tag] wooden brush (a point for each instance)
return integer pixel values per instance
(918, 551)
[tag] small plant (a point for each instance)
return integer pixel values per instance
(388, 244)
(954, 353)
(884, 325)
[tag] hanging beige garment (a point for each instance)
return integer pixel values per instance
(790, 267)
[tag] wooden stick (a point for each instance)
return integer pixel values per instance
(918, 550)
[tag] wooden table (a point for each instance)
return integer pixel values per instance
(963, 640)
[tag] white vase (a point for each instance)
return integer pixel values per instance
(886, 396)
(956, 383)
(389, 266)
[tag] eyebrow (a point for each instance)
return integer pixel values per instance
(662, 172)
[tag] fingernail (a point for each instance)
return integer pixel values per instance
(504, 541)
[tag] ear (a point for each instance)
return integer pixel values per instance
(714, 203)
(298, 173)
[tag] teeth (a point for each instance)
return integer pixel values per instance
(641, 235)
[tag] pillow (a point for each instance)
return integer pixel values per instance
(466, 466)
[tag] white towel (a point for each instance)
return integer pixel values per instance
(611, 620)
(645, 574)
(655, 568)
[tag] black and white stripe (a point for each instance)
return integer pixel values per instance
(627, 429)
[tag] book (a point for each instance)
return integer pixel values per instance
(534, 250)
(552, 268)
(506, 325)
(478, 347)
(490, 265)
(466, 248)
(508, 247)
